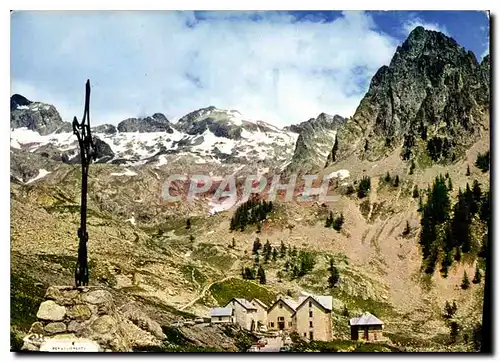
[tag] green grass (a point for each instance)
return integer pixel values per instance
(223, 292)
(25, 299)
(210, 254)
(190, 271)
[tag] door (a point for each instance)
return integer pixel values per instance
(281, 325)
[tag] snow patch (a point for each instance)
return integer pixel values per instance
(126, 173)
(341, 174)
(41, 173)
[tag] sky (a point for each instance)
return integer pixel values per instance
(280, 67)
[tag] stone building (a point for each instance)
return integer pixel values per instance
(221, 315)
(244, 313)
(366, 327)
(261, 314)
(312, 319)
(280, 315)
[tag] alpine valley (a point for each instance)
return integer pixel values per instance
(411, 172)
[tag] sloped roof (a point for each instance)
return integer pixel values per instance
(221, 312)
(261, 303)
(289, 302)
(366, 319)
(326, 301)
(245, 303)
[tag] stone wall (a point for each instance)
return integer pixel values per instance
(90, 314)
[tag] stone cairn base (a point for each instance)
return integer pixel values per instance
(89, 314)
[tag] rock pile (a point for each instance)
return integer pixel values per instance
(89, 314)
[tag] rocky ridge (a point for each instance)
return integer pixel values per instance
(432, 100)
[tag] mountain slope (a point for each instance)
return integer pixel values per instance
(432, 100)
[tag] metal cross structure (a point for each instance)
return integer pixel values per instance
(87, 153)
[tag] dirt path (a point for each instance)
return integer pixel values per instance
(202, 293)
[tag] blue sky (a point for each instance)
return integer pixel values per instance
(282, 67)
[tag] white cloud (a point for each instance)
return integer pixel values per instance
(413, 22)
(276, 68)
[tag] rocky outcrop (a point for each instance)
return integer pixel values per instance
(104, 128)
(36, 116)
(316, 139)
(156, 123)
(432, 99)
(90, 314)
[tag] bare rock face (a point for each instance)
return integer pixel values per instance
(89, 314)
(36, 116)
(432, 99)
(314, 144)
(156, 123)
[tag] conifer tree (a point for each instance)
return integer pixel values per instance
(191, 238)
(275, 254)
(477, 275)
(282, 249)
(233, 243)
(256, 245)
(454, 329)
(415, 192)
(345, 312)
(329, 220)
(450, 186)
(396, 181)
(458, 254)
(407, 229)
(465, 281)
(387, 177)
(468, 171)
(188, 224)
(262, 275)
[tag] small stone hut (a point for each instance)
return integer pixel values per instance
(366, 327)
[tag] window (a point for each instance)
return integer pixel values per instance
(281, 319)
(289, 324)
(305, 334)
(272, 324)
(310, 324)
(310, 313)
(220, 318)
(310, 304)
(280, 306)
(311, 336)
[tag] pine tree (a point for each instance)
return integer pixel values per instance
(329, 220)
(407, 229)
(387, 177)
(282, 249)
(256, 245)
(262, 275)
(458, 254)
(468, 171)
(465, 281)
(233, 243)
(191, 238)
(477, 275)
(448, 311)
(412, 167)
(338, 222)
(275, 254)
(334, 275)
(415, 192)
(345, 312)
(454, 329)
(259, 228)
(188, 224)
(450, 186)
(396, 181)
